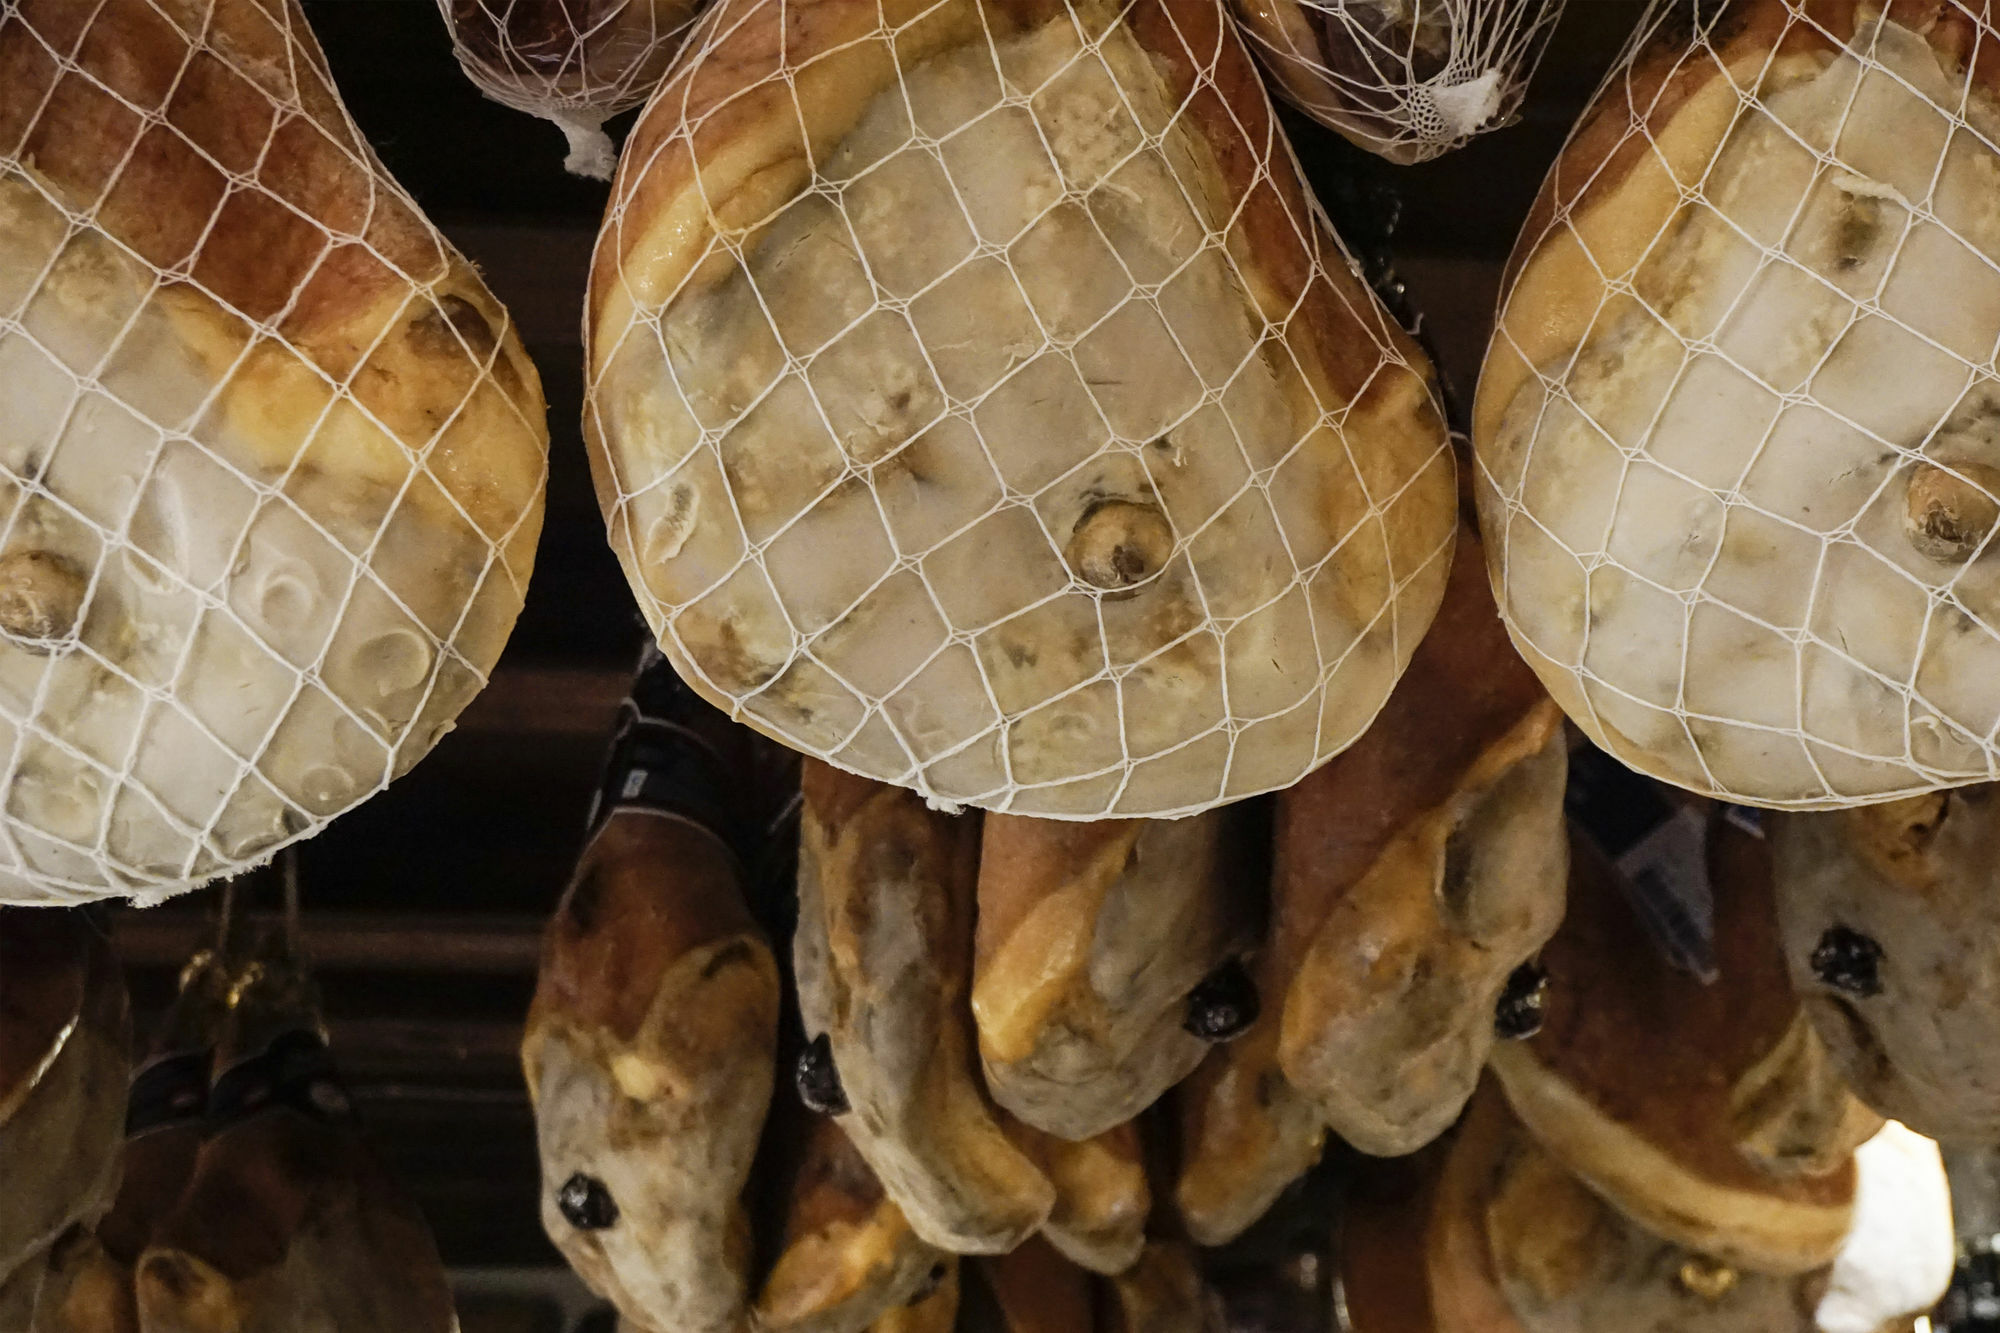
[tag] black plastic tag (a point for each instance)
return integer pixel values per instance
(295, 1072)
(169, 1091)
(661, 764)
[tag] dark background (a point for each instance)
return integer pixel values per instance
(423, 907)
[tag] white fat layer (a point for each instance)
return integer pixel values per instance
(1898, 1258)
(259, 644)
(889, 488)
(1707, 525)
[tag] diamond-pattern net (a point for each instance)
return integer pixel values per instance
(271, 460)
(1408, 79)
(1738, 428)
(978, 401)
(576, 63)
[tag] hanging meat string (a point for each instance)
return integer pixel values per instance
(1406, 79)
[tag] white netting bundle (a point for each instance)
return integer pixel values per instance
(979, 402)
(1739, 428)
(271, 460)
(1407, 79)
(576, 63)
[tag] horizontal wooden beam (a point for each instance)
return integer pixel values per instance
(486, 945)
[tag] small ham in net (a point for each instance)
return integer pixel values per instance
(1739, 426)
(271, 460)
(575, 63)
(978, 401)
(1406, 79)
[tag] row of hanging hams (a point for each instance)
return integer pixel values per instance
(1730, 442)
(979, 402)
(218, 1184)
(1122, 1042)
(1406, 81)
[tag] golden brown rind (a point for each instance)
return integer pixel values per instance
(1653, 129)
(1596, 262)
(1246, 1132)
(1414, 873)
(1438, 838)
(1713, 1140)
(849, 1256)
(162, 104)
(736, 85)
(1518, 1245)
(1103, 1197)
(650, 1050)
(1090, 939)
(1392, 1013)
(312, 461)
(883, 952)
(934, 1312)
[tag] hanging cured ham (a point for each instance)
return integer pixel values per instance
(883, 951)
(651, 1045)
(847, 1256)
(575, 63)
(88, 1286)
(287, 1221)
(1106, 961)
(1102, 1196)
(1735, 430)
(64, 1060)
(1492, 1235)
(977, 402)
(1415, 876)
(1405, 79)
(1885, 913)
(272, 469)
(1727, 1129)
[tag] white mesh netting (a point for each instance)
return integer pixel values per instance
(1408, 79)
(1738, 426)
(576, 63)
(979, 402)
(271, 461)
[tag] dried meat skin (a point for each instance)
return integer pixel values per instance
(273, 464)
(1735, 433)
(1063, 468)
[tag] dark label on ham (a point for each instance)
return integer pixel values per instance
(660, 763)
(170, 1091)
(295, 1072)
